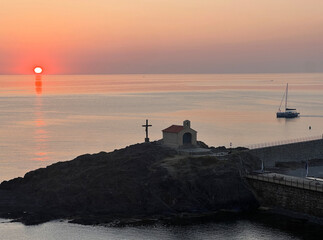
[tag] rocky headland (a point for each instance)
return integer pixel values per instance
(140, 183)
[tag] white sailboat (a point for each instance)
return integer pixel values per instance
(289, 112)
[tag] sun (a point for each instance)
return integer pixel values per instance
(38, 70)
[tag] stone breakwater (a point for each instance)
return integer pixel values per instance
(142, 181)
(284, 192)
(293, 152)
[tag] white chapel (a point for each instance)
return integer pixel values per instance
(178, 136)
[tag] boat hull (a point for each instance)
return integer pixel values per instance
(287, 114)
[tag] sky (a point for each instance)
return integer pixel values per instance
(161, 36)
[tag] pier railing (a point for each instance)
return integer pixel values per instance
(303, 183)
(283, 142)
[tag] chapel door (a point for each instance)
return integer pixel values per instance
(187, 138)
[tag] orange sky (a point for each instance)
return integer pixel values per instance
(161, 36)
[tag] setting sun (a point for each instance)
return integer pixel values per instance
(38, 70)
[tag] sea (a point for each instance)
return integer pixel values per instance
(49, 118)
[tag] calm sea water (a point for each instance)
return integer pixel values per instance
(234, 230)
(54, 118)
(45, 119)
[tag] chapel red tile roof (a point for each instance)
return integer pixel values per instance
(174, 129)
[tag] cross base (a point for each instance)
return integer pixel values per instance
(146, 139)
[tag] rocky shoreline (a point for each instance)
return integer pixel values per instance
(140, 183)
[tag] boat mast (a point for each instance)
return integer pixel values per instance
(286, 97)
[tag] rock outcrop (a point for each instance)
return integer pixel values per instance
(142, 181)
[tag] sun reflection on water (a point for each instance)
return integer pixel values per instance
(38, 84)
(41, 135)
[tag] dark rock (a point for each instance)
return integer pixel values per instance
(202, 144)
(138, 182)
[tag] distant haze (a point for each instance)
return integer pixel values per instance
(161, 36)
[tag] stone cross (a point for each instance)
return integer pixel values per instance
(146, 126)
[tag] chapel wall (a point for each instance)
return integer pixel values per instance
(170, 139)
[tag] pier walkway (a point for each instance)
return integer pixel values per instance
(314, 184)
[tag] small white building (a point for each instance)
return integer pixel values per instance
(178, 136)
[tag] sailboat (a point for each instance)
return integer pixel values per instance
(289, 112)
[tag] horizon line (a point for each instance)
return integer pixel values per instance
(224, 73)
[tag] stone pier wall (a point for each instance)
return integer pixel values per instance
(291, 196)
(294, 152)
